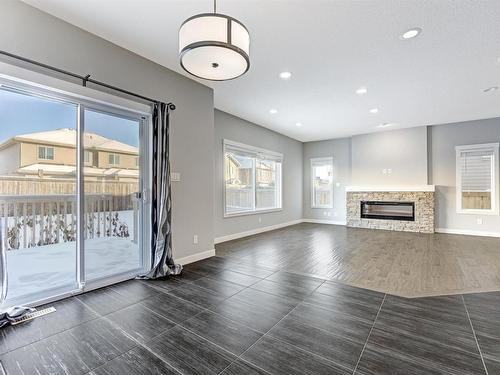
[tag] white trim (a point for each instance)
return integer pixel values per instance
(258, 150)
(467, 232)
(196, 257)
(319, 221)
(255, 231)
(384, 189)
(495, 207)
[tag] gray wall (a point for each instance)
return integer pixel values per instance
(31, 33)
(403, 151)
(340, 150)
(238, 130)
(442, 142)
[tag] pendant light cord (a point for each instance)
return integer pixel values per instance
(215, 6)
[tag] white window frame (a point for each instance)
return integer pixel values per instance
(328, 159)
(279, 183)
(46, 148)
(115, 157)
(494, 179)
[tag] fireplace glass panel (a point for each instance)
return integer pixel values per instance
(388, 210)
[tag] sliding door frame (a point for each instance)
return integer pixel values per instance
(145, 121)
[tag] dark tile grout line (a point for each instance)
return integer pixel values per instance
(368, 337)
(277, 339)
(475, 337)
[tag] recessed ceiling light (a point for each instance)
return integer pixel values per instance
(492, 88)
(298, 124)
(374, 110)
(285, 75)
(273, 111)
(361, 91)
(412, 33)
(385, 125)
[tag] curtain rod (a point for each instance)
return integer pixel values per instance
(85, 79)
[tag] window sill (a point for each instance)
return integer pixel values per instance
(478, 212)
(236, 214)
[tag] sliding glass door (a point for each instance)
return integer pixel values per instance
(112, 186)
(71, 185)
(38, 183)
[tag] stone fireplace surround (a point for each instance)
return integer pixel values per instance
(423, 196)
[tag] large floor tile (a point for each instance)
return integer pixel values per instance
(70, 312)
(171, 307)
(280, 289)
(449, 310)
(75, 351)
(423, 351)
(230, 335)
(289, 278)
(198, 295)
(278, 358)
(140, 322)
(138, 361)
(365, 296)
(189, 353)
(253, 270)
(236, 277)
(349, 305)
(243, 368)
(257, 310)
(338, 349)
(224, 288)
(134, 291)
(384, 362)
(103, 301)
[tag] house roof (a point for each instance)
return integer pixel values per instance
(67, 137)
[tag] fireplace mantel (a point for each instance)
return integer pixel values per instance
(383, 189)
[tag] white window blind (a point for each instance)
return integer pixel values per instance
(252, 179)
(477, 178)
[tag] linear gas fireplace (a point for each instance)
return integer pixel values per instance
(388, 210)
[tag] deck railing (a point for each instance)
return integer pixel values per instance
(38, 220)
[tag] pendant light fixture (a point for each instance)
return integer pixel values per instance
(214, 46)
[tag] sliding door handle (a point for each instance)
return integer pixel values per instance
(3, 266)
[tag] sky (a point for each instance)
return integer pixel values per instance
(23, 114)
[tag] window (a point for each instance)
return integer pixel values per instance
(322, 183)
(114, 159)
(477, 179)
(46, 153)
(87, 157)
(252, 179)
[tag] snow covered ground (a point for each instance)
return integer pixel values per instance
(40, 268)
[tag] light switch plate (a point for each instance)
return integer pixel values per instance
(175, 176)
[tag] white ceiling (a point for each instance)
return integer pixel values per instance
(332, 48)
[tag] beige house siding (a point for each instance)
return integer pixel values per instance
(10, 157)
(62, 155)
(127, 161)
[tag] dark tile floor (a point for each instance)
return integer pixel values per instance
(226, 317)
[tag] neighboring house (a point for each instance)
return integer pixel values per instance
(237, 174)
(53, 154)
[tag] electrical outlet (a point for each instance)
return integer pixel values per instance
(260, 219)
(384, 171)
(389, 171)
(195, 239)
(175, 176)
(337, 184)
(328, 214)
(480, 221)
(324, 213)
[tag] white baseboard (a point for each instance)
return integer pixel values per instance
(468, 232)
(255, 231)
(318, 221)
(196, 257)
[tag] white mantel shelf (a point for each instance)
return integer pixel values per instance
(369, 189)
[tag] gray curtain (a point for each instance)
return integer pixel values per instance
(162, 262)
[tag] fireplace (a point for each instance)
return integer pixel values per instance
(388, 210)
